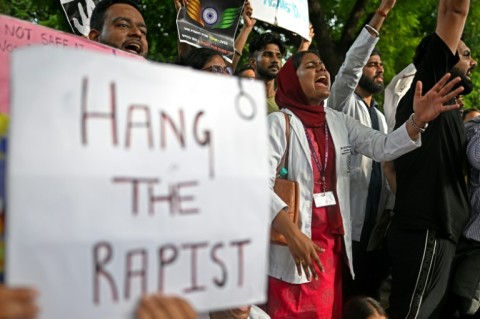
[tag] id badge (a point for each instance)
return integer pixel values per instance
(324, 199)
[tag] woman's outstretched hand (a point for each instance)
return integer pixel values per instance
(427, 107)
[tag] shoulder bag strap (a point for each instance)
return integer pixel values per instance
(284, 160)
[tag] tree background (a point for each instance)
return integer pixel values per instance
(336, 23)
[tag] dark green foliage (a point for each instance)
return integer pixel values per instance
(341, 21)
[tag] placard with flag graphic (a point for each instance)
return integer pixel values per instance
(210, 24)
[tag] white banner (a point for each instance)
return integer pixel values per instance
(288, 14)
(127, 177)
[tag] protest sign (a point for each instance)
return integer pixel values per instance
(120, 184)
(78, 13)
(288, 14)
(16, 33)
(210, 24)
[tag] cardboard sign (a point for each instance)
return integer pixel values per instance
(288, 14)
(78, 13)
(210, 24)
(16, 33)
(120, 184)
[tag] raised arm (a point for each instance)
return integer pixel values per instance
(451, 18)
(342, 96)
(342, 93)
(304, 43)
(248, 24)
(381, 14)
(182, 47)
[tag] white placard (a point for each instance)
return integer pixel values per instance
(127, 177)
(288, 14)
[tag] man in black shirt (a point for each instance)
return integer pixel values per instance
(432, 205)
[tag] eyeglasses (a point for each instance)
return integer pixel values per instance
(218, 69)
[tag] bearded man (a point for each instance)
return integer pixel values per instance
(359, 78)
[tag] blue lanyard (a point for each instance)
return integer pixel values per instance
(322, 169)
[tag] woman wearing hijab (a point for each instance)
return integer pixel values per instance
(305, 276)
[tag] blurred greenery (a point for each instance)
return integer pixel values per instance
(336, 22)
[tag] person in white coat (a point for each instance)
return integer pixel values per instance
(361, 77)
(321, 143)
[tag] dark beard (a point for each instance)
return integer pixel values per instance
(465, 81)
(370, 86)
(265, 74)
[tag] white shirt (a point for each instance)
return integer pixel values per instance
(395, 90)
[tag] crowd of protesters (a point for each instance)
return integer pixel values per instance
(385, 199)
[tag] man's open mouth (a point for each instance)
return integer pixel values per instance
(469, 72)
(133, 47)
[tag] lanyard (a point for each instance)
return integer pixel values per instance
(322, 169)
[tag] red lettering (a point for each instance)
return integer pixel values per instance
(135, 181)
(164, 260)
(170, 198)
(6, 46)
(145, 124)
(178, 132)
(17, 31)
(241, 265)
(136, 265)
(193, 247)
(99, 115)
(205, 141)
(213, 255)
(181, 199)
(100, 271)
(61, 42)
(141, 272)
(173, 198)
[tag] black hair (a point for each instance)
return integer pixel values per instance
(197, 57)
(243, 68)
(259, 43)
(362, 308)
(98, 15)
(375, 51)
(297, 57)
